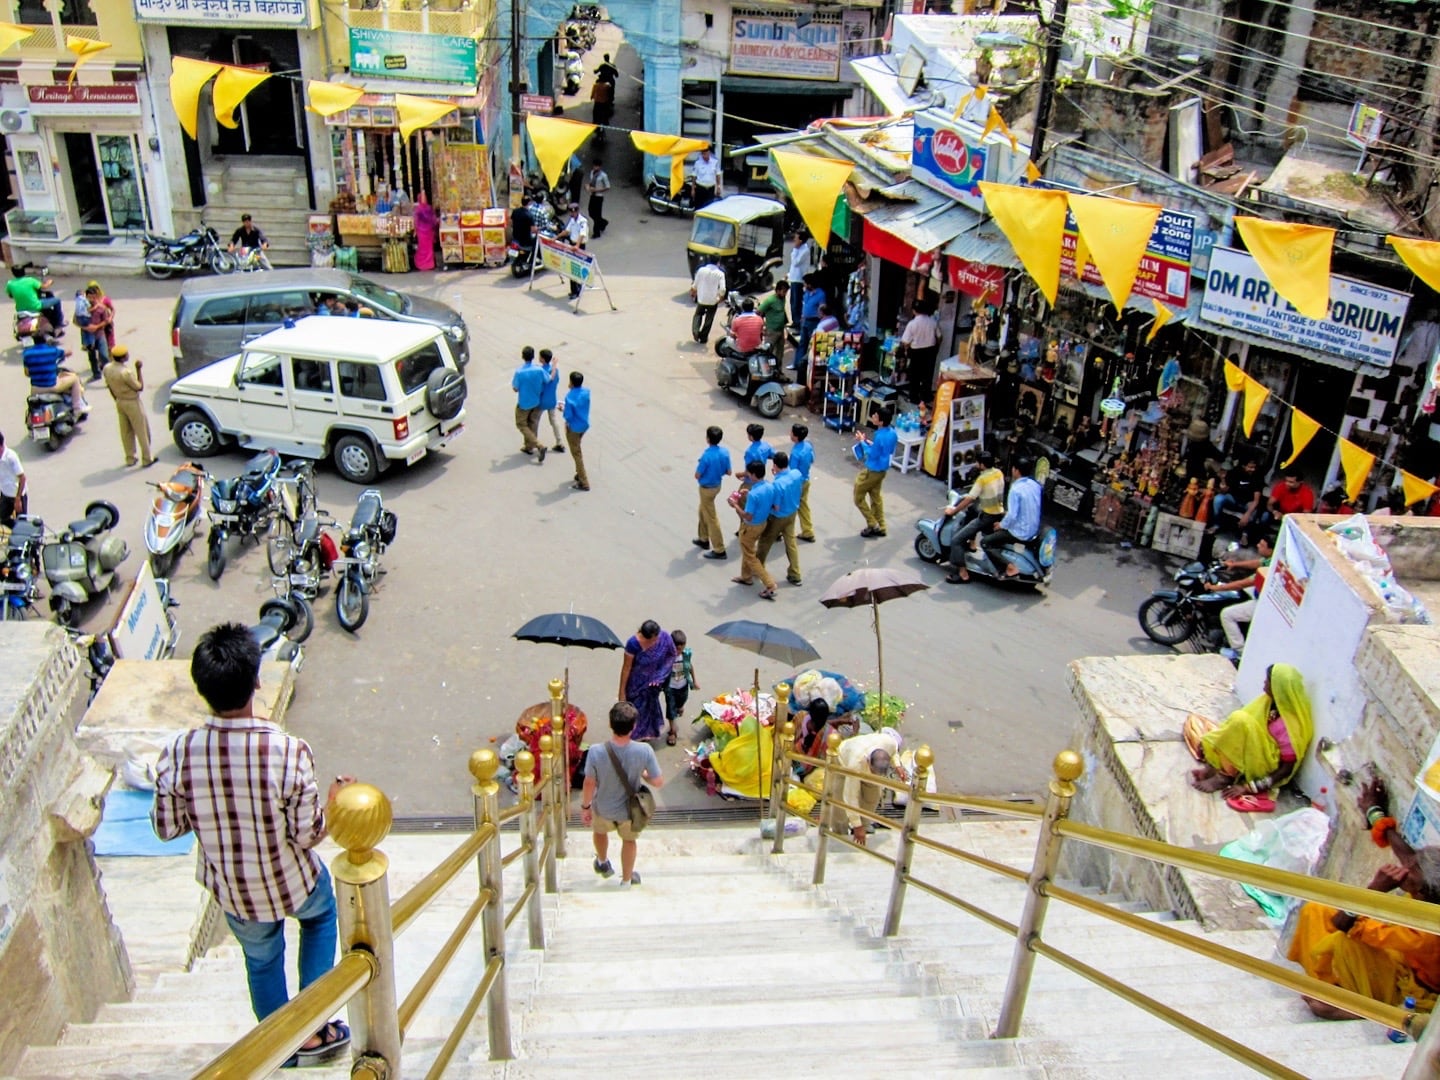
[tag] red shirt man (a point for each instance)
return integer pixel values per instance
(1292, 495)
(748, 328)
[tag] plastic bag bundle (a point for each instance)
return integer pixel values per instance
(1355, 541)
(1291, 842)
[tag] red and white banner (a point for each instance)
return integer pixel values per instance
(975, 279)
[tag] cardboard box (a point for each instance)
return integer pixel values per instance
(1178, 536)
(796, 394)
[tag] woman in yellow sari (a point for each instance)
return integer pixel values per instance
(1258, 747)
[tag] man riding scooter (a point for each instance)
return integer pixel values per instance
(33, 296)
(1021, 523)
(748, 328)
(988, 492)
(42, 365)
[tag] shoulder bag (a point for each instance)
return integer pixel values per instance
(641, 802)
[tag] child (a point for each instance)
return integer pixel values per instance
(680, 683)
(87, 339)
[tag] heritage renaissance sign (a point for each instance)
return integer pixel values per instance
(777, 46)
(391, 54)
(1363, 325)
(83, 94)
(261, 13)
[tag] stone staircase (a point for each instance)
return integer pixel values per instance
(273, 190)
(726, 960)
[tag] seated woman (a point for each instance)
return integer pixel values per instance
(1258, 747)
(811, 726)
(1385, 962)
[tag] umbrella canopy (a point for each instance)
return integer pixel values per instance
(771, 642)
(872, 585)
(567, 628)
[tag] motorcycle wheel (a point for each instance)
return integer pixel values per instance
(1164, 622)
(159, 273)
(301, 630)
(163, 562)
(222, 262)
(352, 602)
(215, 562)
(277, 554)
(63, 610)
(517, 269)
(659, 205)
(925, 549)
(53, 442)
(770, 405)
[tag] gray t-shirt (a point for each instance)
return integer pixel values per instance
(610, 794)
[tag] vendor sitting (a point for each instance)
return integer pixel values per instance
(1384, 962)
(812, 725)
(872, 754)
(1258, 747)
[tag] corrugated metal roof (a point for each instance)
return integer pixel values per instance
(985, 243)
(922, 218)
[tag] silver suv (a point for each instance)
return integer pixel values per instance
(215, 316)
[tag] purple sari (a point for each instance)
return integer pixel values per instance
(648, 672)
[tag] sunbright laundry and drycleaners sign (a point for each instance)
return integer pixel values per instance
(766, 43)
(1364, 322)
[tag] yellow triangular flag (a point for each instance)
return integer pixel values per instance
(1033, 220)
(1255, 394)
(418, 112)
(1162, 316)
(10, 34)
(187, 78)
(328, 98)
(84, 49)
(673, 146)
(1302, 430)
(231, 86)
(1357, 464)
(978, 94)
(1421, 256)
(1117, 232)
(1295, 258)
(1416, 490)
(1234, 377)
(814, 184)
(1082, 256)
(996, 122)
(1032, 173)
(555, 139)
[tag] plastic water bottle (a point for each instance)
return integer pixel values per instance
(1400, 1036)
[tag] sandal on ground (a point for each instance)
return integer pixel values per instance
(1251, 804)
(767, 594)
(334, 1038)
(670, 737)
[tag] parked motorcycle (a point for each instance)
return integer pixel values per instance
(21, 572)
(285, 622)
(80, 562)
(197, 250)
(174, 516)
(754, 378)
(523, 259)
(244, 505)
(50, 418)
(1034, 559)
(657, 194)
(28, 323)
(1187, 612)
(372, 529)
(296, 496)
(309, 557)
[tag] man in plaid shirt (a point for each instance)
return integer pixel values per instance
(247, 791)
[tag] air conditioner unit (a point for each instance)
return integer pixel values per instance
(17, 122)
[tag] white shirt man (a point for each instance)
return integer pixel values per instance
(12, 484)
(707, 178)
(709, 285)
(577, 229)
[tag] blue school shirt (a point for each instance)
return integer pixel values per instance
(529, 383)
(802, 456)
(788, 486)
(714, 467)
(881, 447)
(760, 505)
(552, 384)
(760, 451)
(577, 410)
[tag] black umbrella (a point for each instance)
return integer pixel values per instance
(565, 628)
(773, 643)
(871, 586)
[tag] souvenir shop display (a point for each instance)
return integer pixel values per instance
(320, 239)
(840, 407)
(463, 194)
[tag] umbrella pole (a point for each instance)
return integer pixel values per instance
(759, 778)
(879, 663)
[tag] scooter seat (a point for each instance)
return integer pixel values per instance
(46, 397)
(26, 531)
(265, 634)
(92, 525)
(262, 463)
(367, 511)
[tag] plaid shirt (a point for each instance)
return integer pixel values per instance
(247, 790)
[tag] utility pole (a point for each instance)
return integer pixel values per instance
(1054, 37)
(517, 62)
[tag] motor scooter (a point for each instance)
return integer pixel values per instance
(20, 572)
(80, 562)
(1033, 559)
(934, 537)
(285, 622)
(50, 418)
(754, 378)
(657, 194)
(174, 515)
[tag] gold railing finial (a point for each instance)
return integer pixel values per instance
(525, 767)
(924, 758)
(787, 733)
(359, 818)
(546, 745)
(782, 693)
(832, 743)
(557, 689)
(484, 764)
(1069, 767)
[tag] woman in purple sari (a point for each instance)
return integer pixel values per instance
(649, 656)
(424, 234)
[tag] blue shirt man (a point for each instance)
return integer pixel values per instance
(880, 449)
(42, 365)
(869, 498)
(713, 467)
(710, 473)
(802, 457)
(550, 392)
(810, 303)
(760, 504)
(760, 451)
(529, 383)
(1022, 509)
(788, 485)
(577, 422)
(577, 410)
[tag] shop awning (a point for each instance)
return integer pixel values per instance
(921, 218)
(750, 84)
(984, 244)
(878, 75)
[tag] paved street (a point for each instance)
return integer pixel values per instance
(488, 538)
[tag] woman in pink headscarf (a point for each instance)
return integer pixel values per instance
(424, 234)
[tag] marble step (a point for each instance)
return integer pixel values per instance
(599, 1016)
(643, 973)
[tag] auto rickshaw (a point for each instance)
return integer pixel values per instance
(747, 233)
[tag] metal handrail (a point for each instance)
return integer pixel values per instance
(520, 902)
(452, 1041)
(854, 774)
(980, 913)
(990, 806)
(970, 857)
(436, 968)
(423, 893)
(518, 853)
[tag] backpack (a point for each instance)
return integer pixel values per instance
(641, 802)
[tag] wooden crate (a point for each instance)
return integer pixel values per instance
(1178, 536)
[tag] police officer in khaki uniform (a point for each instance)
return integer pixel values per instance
(125, 383)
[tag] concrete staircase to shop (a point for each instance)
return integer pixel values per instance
(726, 960)
(272, 189)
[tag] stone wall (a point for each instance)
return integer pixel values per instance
(1104, 116)
(60, 957)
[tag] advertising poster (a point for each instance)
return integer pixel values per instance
(1164, 268)
(1364, 322)
(775, 45)
(947, 162)
(569, 262)
(142, 630)
(939, 420)
(391, 54)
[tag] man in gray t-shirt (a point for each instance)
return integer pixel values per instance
(604, 800)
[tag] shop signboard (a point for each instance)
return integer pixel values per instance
(538, 104)
(776, 45)
(975, 279)
(1364, 322)
(242, 13)
(950, 162)
(143, 630)
(1164, 273)
(392, 54)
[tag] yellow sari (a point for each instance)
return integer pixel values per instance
(1243, 745)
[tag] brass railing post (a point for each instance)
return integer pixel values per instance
(358, 819)
(1425, 1062)
(547, 811)
(777, 752)
(828, 791)
(784, 739)
(924, 758)
(525, 769)
(562, 775)
(1068, 768)
(483, 767)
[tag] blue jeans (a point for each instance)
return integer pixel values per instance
(802, 350)
(264, 946)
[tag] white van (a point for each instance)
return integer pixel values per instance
(364, 392)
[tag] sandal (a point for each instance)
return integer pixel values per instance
(334, 1038)
(670, 737)
(1251, 804)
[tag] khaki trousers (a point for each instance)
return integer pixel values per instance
(807, 527)
(572, 440)
(775, 529)
(867, 491)
(869, 800)
(134, 425)
(709, 527)
(750, 565)
(527, 422)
